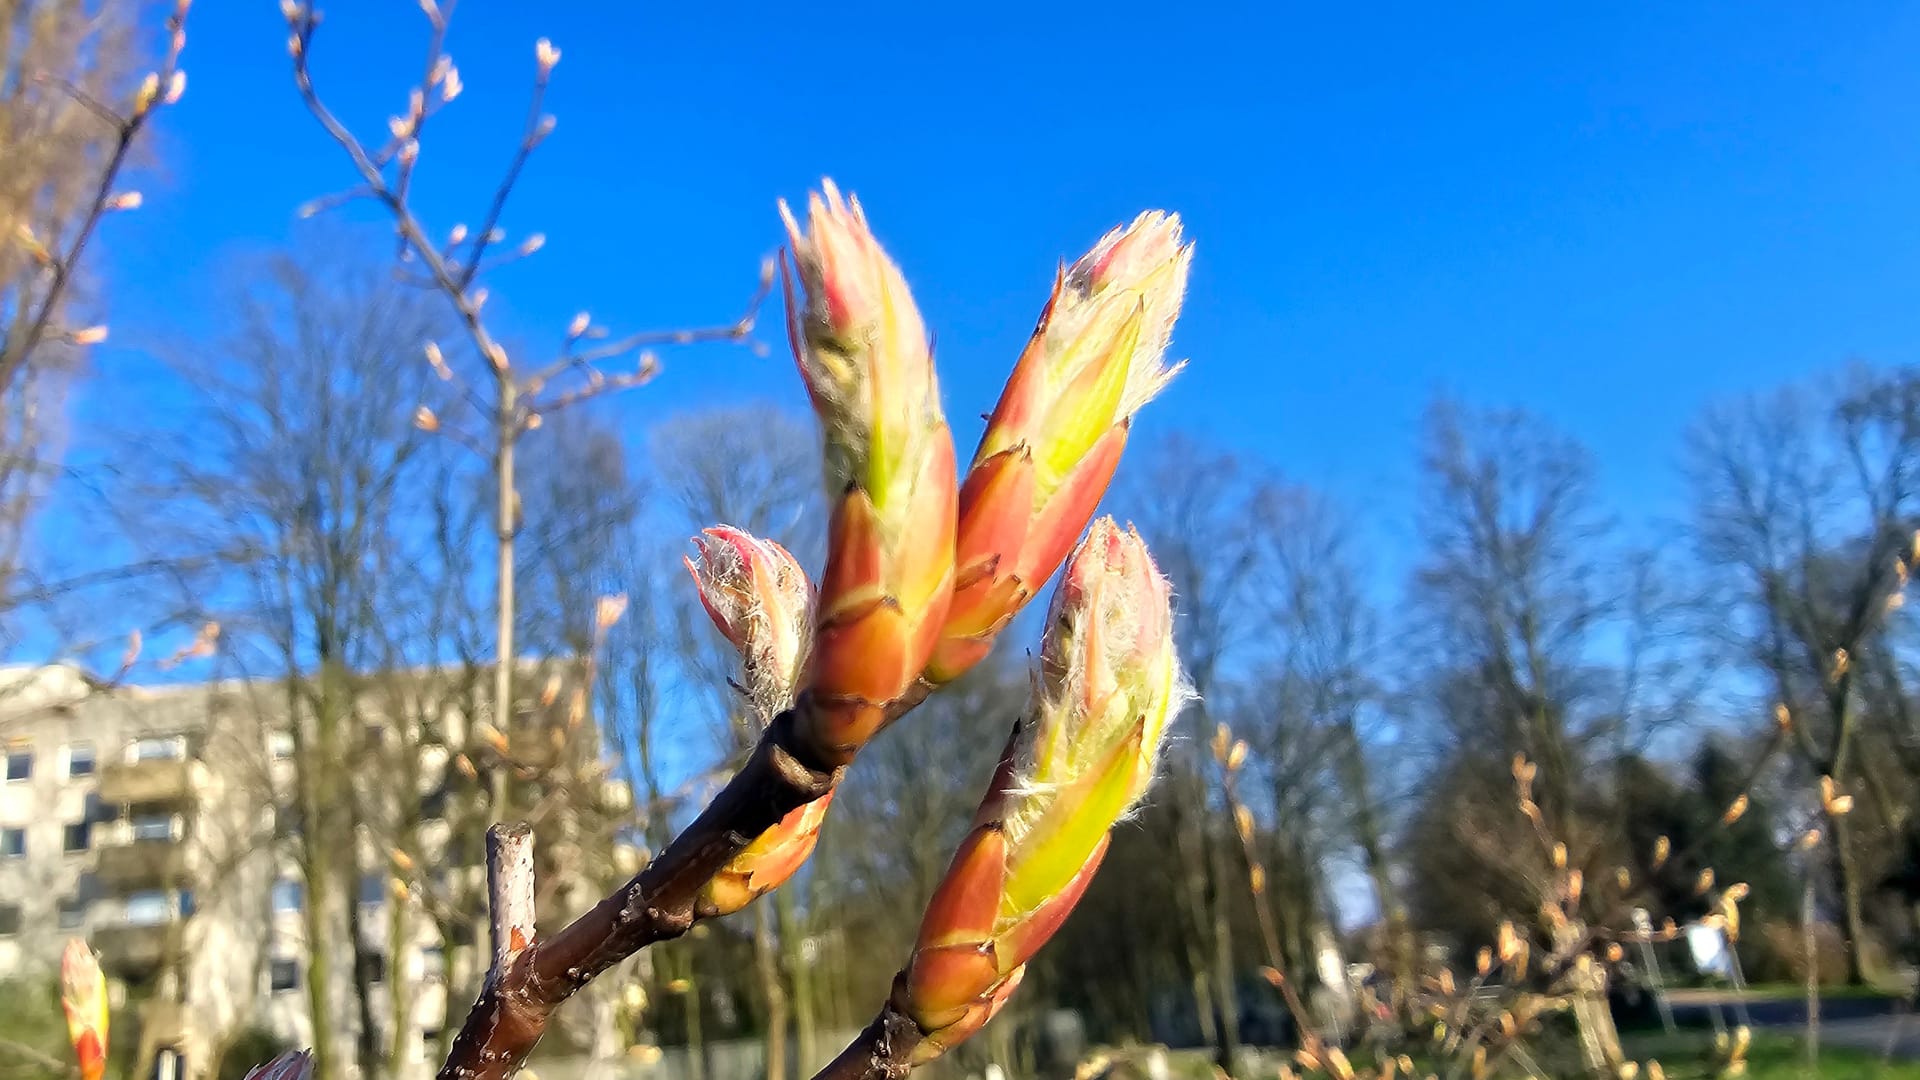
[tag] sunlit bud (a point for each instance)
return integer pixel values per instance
(1735, 811)
(533, 243)
(409, 152)
(1243, 822)
(1237, 756)
(92, 335)
(400, 126)
(1054, 439)
(496, 352)
(451, 86)
(438, 361)
(1662, 847)
(431, 9)
(1737, 891)
(762, 603)
(1782, 717)
(1575, 882)
(1622, 879)
(149, 90)
(83, 997)
(425, 420)
(1109, 685)
(1615, 953)
(607, 611)
(176, 86)
(578, 326)
(1559, 856)
(546, 127)
(1483, 963)
(289, 10)
(126, 200)
(545, 55)
(456, 234)
(863, 353)
(1273, 976)
(24, 233)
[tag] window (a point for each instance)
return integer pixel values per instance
(285, 975)
(73, 912)
(152, 826)
(375, 966)
(19, 763)
(373, 889)
(80, 759)
(9, 919)
(148, 907)
(76, 837)
(13, 843)
(286, 895)
(159, 748)
(433, 962)
(280, 745)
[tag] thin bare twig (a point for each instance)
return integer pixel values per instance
(158, 89)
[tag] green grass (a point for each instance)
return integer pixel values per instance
(1771, 1057)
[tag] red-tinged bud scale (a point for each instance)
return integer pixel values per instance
(83, 997)
(1110, 683)
(1054, 440)
(863, 352)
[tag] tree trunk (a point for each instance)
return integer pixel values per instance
(766, 962)
(1846, 879)
(1586, 985)
(1401, 949)
(800, 972)
(1225, 992)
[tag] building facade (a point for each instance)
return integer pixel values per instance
(164, 825)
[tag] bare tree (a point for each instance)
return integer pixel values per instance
(1807, 503)
(517, 399)
(74, 102)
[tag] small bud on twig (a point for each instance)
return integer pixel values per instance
(92, 335)
(126, 200)
(545, 55)
(424, 419)
(176, 87)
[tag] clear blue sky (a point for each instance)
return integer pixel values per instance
(1608, 216)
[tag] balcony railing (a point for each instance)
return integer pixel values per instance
(131, 951)
(157, 780)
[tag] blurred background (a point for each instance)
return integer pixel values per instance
(1552, 393)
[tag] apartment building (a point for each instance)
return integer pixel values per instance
(163, 825)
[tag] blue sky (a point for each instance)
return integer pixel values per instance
(1608, 215)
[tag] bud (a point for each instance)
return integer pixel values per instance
(126, 200)
(578, 326)
(424, 419)
(533, 243)
(149, 90)
(451, 86)
(83, 997)
(762, 603)
(1054, 439)
(863, 353)
(1735, 810)
(545, 55)
(92, 335)
(1109, 684)
(292, 1065)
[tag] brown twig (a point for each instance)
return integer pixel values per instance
(658, 904)
(158, 89)
(882, 1051)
